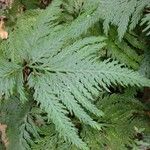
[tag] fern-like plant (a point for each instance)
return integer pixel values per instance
(54, 63)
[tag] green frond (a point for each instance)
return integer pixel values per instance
(56, 112)
(122, 14)
(118, 13)
(125, 51)
(20, 127)
(72, 8)
(119, 131)
(65, 74)
(120, 122)
(8, 76)
(54, 63)
(145, 69)
(69, 77)
(15, 49)
(123, 119)
(146, 20)
(30, 28)
(138, 13)
(134, 41)
(50, 139)
(28, 130)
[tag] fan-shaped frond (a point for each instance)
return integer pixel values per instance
(71, 77)
(57, 63)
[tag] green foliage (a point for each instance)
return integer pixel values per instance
(8, 78)
(123, 14)
(145, 69)
(146, 20)
(121, 118)
(54, 59)
(125, 51)
(30, 4)
(119, 127)
(17, 117)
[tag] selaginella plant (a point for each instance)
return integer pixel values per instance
(58, 72)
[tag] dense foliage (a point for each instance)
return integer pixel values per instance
(73, 75)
